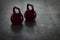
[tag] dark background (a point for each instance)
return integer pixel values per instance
(46, 26)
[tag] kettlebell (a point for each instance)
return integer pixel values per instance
(16, 18)
(30, 15)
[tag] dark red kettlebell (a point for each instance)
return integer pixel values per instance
(16, 18)
(30, 15)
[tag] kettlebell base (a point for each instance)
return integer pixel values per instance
(16, 23)
(30, 20)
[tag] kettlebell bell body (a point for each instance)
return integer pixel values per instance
(30, 15)
(16, 18)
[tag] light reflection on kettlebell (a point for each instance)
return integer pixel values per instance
(16, 18)
(30, 15)
(16, 28)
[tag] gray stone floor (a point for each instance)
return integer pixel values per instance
(45, 27)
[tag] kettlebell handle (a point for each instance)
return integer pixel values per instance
(16, 8)
(30, 5)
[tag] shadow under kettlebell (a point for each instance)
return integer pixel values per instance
(16, 28)
(30, 23)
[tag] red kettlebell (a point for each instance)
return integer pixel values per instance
(16, 18)
(30, 15)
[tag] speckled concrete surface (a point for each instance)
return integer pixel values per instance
(45, 27)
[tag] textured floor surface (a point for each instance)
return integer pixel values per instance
(45, 27)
